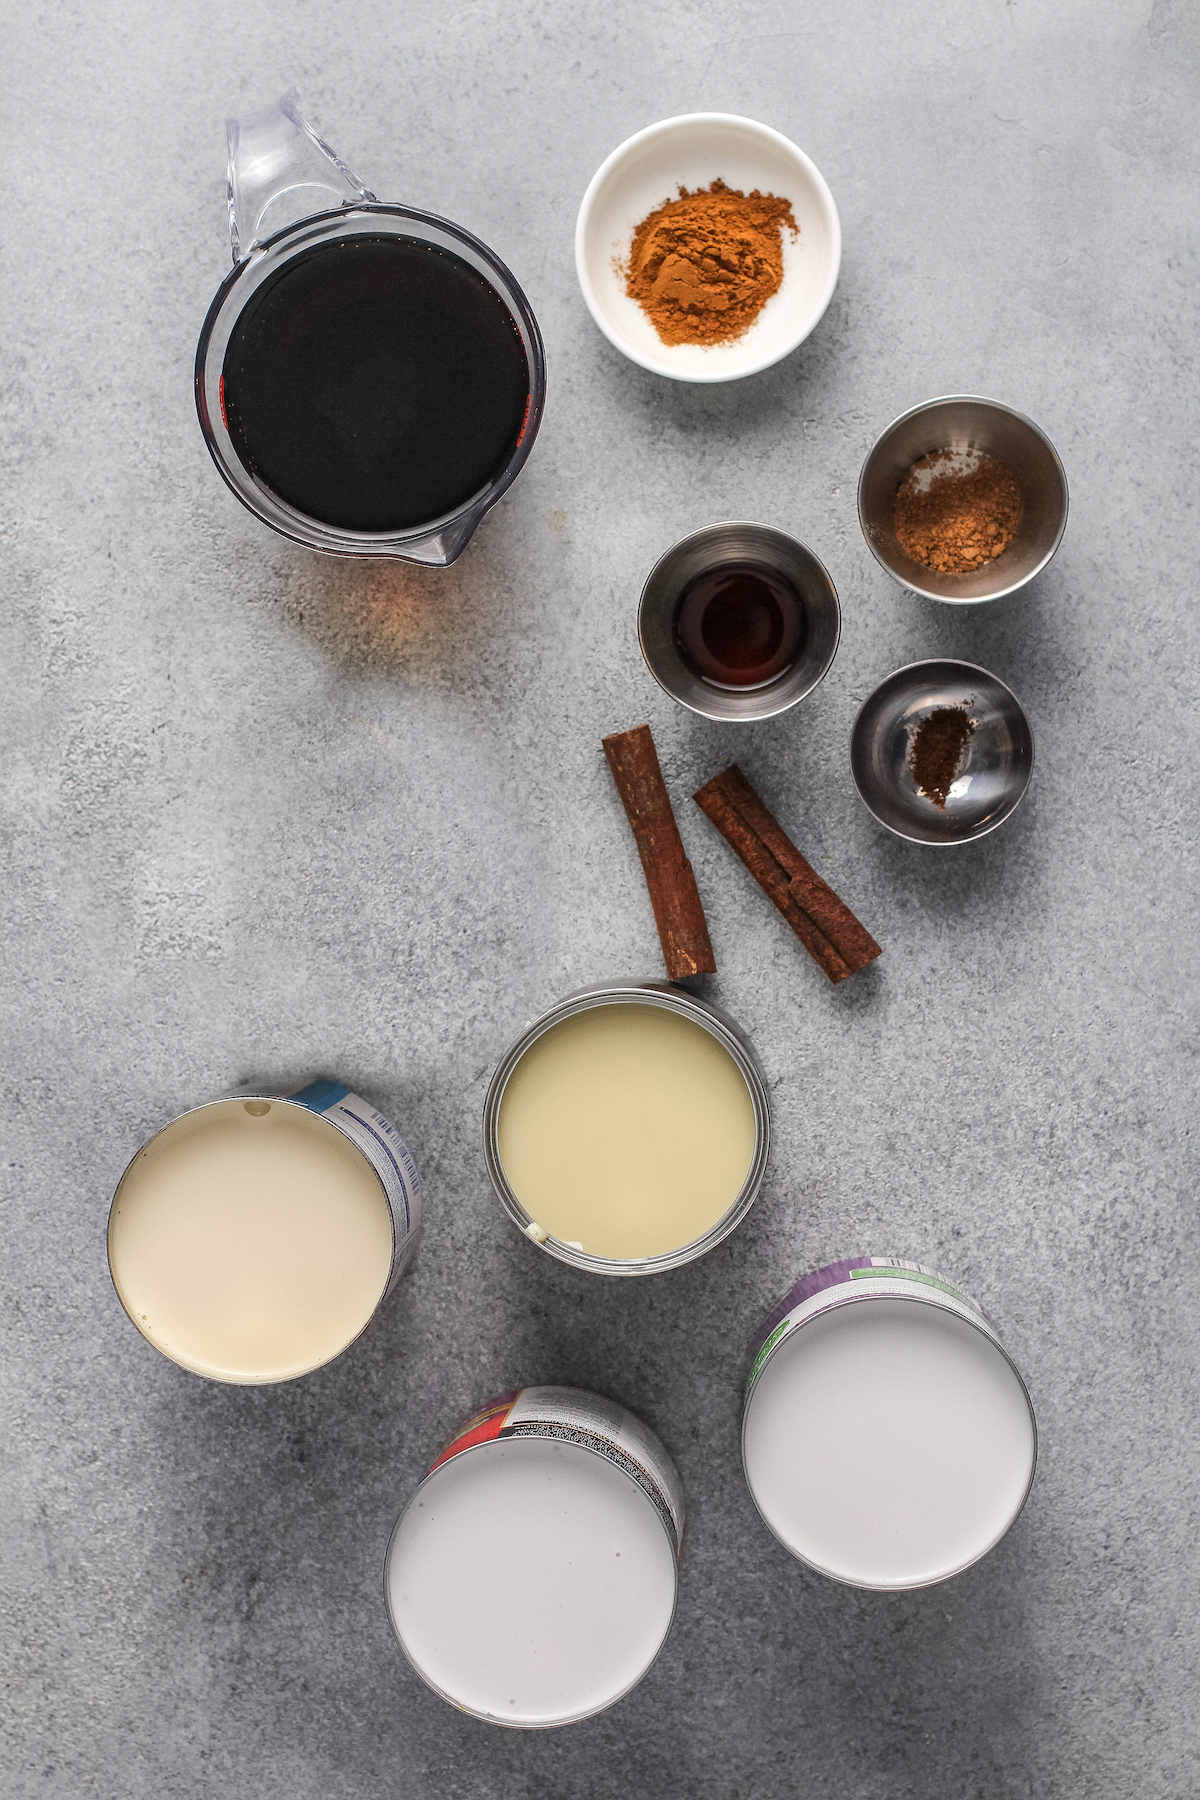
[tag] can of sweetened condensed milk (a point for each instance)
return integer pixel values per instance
(253, 1239)
(531, 1579)
(627, 1130)
(888, 1439)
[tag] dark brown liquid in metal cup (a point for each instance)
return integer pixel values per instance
(740, 625)
(375, 384)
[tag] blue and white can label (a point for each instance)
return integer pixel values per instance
(379, 1141)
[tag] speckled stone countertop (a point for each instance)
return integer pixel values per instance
(269, 815)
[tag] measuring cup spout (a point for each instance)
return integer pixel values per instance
(440, 548)
(281, 171)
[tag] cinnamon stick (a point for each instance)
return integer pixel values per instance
(826, 927)
(767, 872)
(682, 928)
(815, 896)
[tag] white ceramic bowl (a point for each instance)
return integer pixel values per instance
(693, 151)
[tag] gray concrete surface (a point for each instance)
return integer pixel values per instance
(269, 815)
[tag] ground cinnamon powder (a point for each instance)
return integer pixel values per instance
(704, 266)
(956, 510)
(936, 748)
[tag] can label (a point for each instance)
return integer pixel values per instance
(859, 1277)
(581, 1418)
(387, 1154)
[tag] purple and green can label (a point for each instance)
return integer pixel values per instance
(840, 1281)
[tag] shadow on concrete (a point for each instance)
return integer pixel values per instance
(387, 616)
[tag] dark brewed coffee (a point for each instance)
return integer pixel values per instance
(375, 383)
(740, 625)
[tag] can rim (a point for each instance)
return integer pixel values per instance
(247, 1380)
(732, 1039)
(487, 1718)
(980, 1325)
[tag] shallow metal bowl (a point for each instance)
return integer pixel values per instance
(663, 593)
(965, 422)
(997, 759)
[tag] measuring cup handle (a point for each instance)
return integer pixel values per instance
(281, 171)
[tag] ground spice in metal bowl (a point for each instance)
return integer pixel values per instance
(703, 266)
(956, 510)
(935, 751)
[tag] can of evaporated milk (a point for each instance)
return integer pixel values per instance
(888, 1438)
(627, 1130)
(253, 1239)
(531, 1579)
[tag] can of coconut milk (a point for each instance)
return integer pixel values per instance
(253, 1239)
(531, 1579)
(888, 1439)
(627, 1130)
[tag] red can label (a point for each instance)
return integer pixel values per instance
(587, 1419)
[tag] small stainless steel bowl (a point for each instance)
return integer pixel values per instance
(965, 422)
(997, 759)
(663, 593)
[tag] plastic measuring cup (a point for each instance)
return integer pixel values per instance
(289, 193)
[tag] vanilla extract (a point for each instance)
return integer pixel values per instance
(740, 625)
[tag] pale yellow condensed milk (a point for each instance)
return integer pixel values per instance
(251, 1240)
(626, 1130)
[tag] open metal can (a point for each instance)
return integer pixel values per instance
(608, 1143)
(888, 1438)
(254, 1238)
(531, 1580)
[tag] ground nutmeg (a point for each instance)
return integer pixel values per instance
(704, 265)
(956, 510)
(936, 749)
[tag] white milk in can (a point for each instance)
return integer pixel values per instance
(531, 1579)
(888, 1439)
